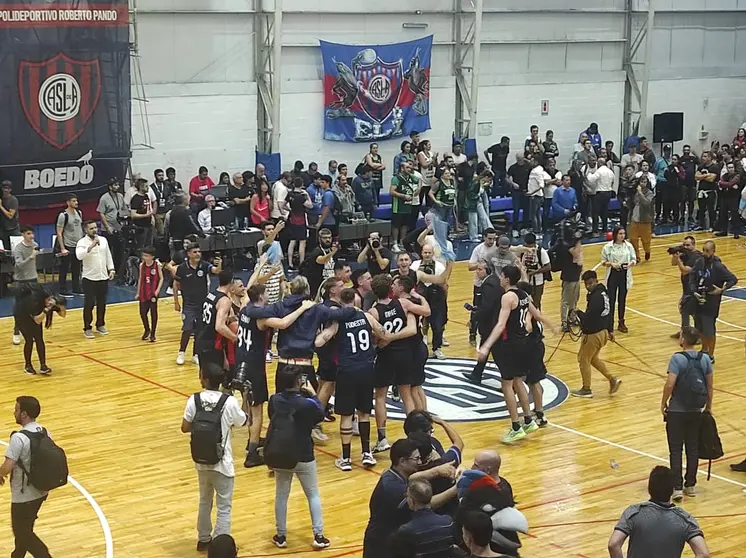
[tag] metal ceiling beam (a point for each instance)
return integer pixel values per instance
(466, 64)
(638, 33)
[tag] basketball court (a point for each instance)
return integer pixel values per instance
(115, 404)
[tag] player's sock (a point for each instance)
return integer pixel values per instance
(364, 428)
(540, 414)
(346, 451)
(516, 426)
(527, 419)
(253, 447)
(381, 433)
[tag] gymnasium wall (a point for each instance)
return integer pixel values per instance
(198, 69)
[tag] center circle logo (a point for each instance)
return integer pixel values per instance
(380, 89)
(454, 398)
(59, 97)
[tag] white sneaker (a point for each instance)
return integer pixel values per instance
(368, 459)
(180, 359)
(515, 233)
(343, 464)
(169, 291)
(319, 436)
(195, 360)
(268, 357)
(439, 354)
(16, 338)
(445, 342)
(381, 445)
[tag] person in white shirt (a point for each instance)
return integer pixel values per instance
(216, 480)
(204, 217)
(632, 158)
(280, 191)
(535, 260)
(535, 192)
(603, 181)
(645, 168)
(98, 270)
(458, 155)
(552, 180)
(26, 500)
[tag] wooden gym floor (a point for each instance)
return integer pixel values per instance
(115, 404)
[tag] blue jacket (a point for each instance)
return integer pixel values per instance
(363, 191)
(562, 200)
(297, 341)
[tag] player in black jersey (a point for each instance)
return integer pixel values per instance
(251, 349)
(537, 370)
(330, 291)
(514, 326)
(216, 310)
(394, 363)
(355, 340)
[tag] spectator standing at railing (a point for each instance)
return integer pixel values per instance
(162, 192)
(374, 161)
(362, 185)
(240, 193)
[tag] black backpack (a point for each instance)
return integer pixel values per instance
(710, 446)
(48, 469)
(280, 447)
(207, 432)
(691, 385)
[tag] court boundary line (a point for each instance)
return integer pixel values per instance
(108, 539)
(638, 452)
(663, 321)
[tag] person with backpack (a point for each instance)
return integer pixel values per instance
(294, 411)
(69, 226)
(209, 417)
(688, 390)
(36, 465)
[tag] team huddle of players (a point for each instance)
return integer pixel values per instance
(361, 355)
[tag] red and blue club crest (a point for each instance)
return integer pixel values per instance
(379, 86)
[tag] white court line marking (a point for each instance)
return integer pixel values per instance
(638, 452)
(729, 324)
(97, 509)
(675, 324)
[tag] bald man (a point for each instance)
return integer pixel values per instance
(488, 462)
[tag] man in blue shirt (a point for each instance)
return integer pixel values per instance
(327, 218)
(564, 200)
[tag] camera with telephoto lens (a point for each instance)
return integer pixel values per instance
(375, 244)
(240, 381)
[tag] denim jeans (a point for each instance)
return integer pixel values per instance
(486, 201)
(306, 473)
(520, 202)
(217, 484)
(536, 204)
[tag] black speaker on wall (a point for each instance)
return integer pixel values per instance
(668, 127)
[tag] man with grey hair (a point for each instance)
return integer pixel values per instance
(332, 170)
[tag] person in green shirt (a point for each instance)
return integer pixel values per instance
(477, 217)
(403, 188)
(444, 197)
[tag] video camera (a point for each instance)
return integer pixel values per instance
(679, 249)
(570, 229)
(241, 383)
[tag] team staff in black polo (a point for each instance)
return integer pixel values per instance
(193, 281)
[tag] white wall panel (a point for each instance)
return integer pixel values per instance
(218, 131)
(717, 104)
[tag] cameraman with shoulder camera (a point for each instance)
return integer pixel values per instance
(378, 257)
(708, 280)
(684, 257)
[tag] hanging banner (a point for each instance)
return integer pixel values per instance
(376, 92)
(64, 97)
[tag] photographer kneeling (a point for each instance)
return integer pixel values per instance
(684, 257)
(708, 280)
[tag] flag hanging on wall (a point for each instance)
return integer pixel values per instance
(376, 92)
(64, 97)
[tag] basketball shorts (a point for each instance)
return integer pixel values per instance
(394, 368)
(327, 370)
(537, 370)
(354, 391)
(419, 354)
(256, 373)
(512, 358)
